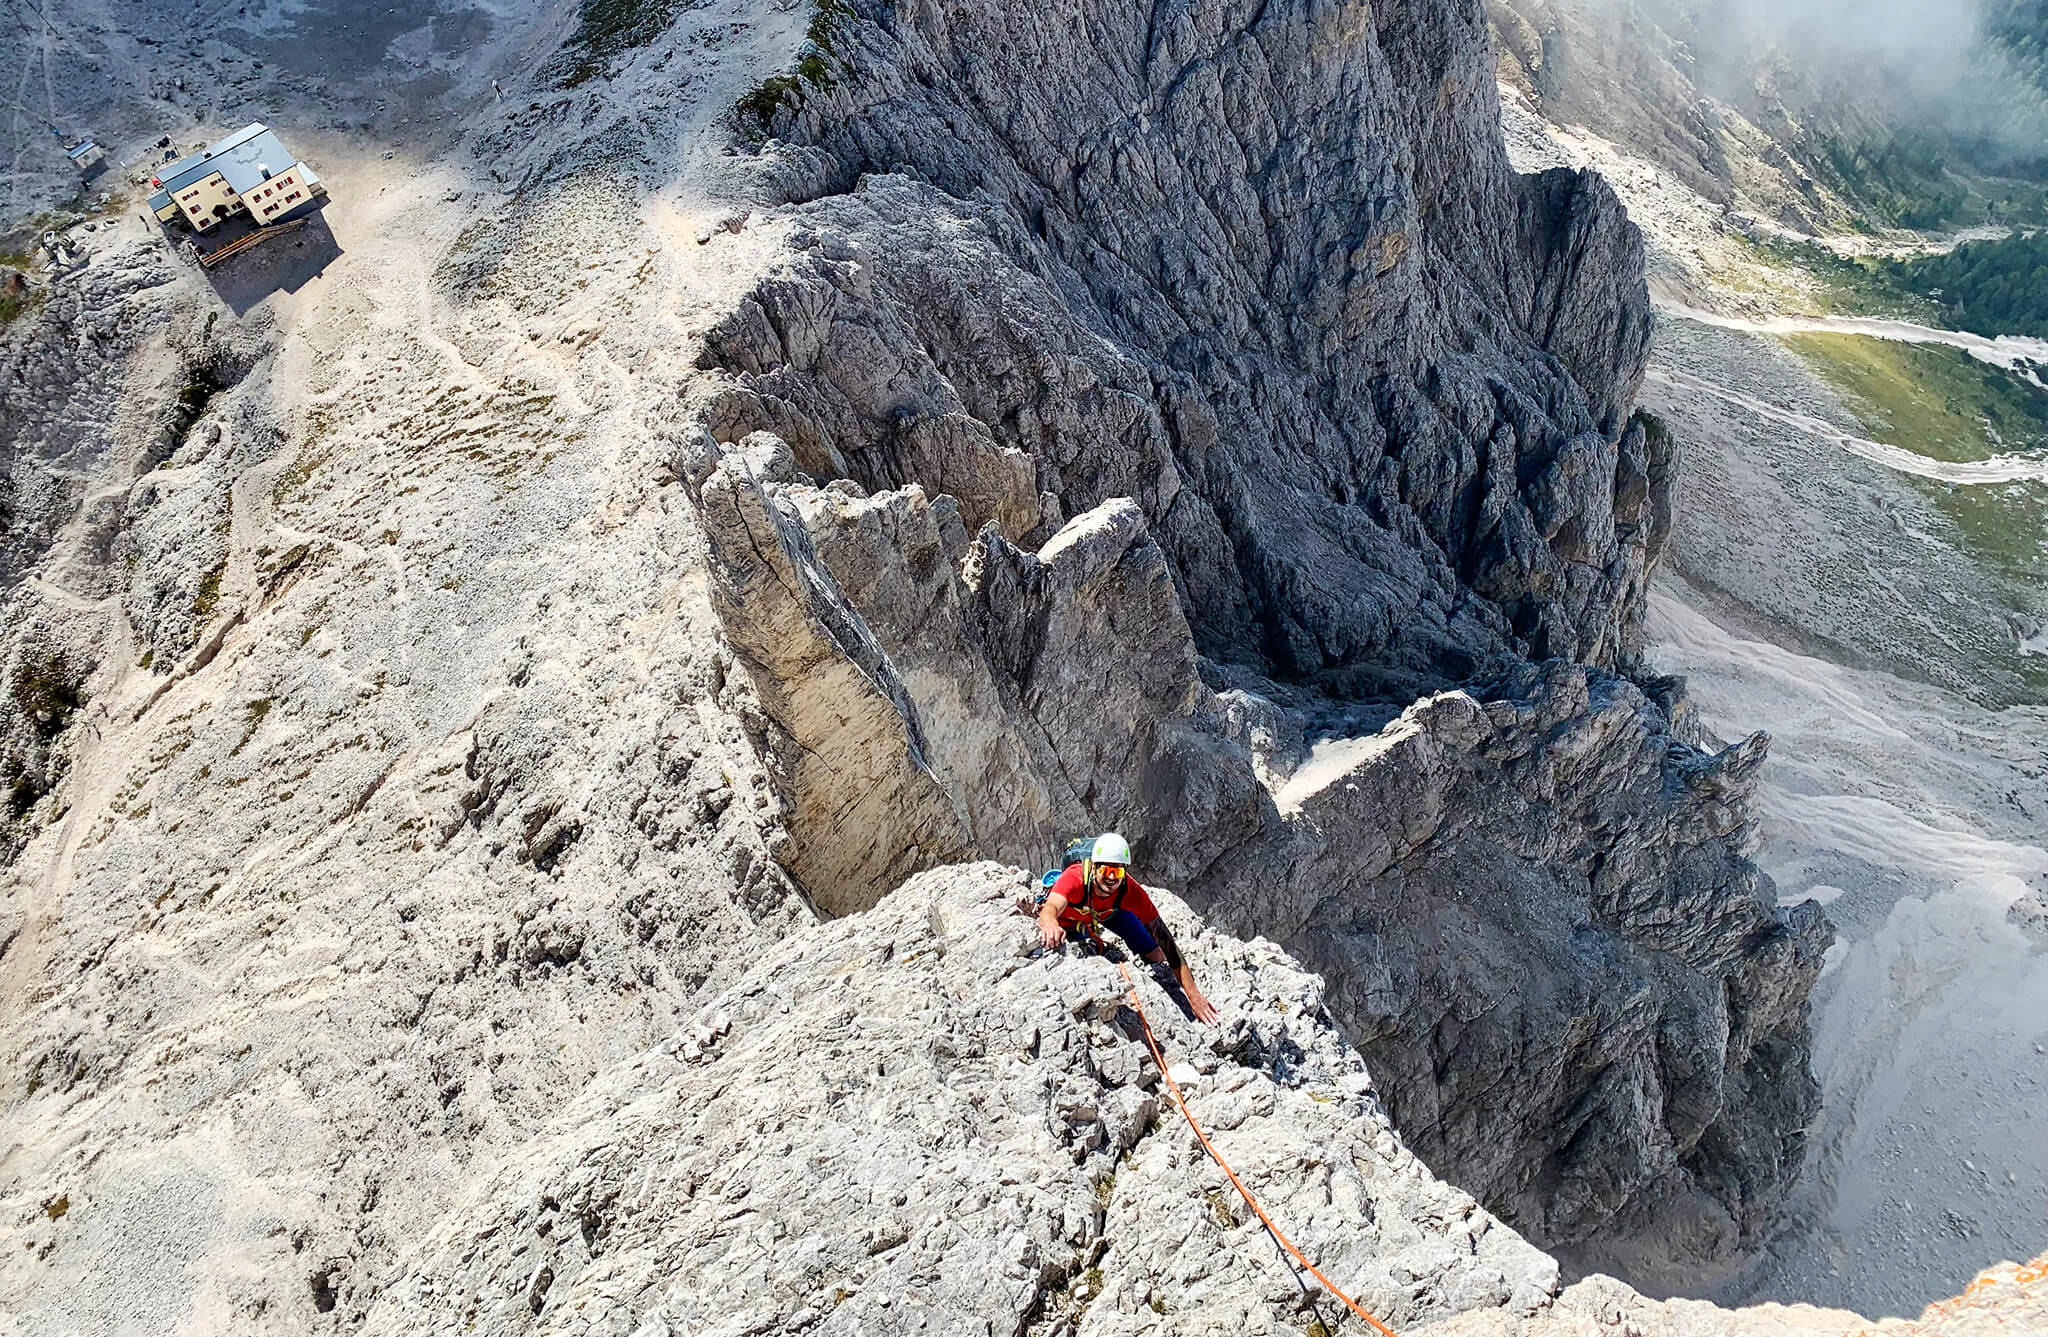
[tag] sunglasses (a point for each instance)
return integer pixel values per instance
(1110, 872)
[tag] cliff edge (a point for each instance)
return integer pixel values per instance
(775, 453)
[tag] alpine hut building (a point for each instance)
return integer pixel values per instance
(250, 172)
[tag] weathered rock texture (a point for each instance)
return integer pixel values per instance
(1369, 387)
(646, 538)
(1531, 901)
(1340, 409)
(911, 1120)
(1540, 891)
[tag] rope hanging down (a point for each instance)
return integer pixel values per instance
(1159, 1060)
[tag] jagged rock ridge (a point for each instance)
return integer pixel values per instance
(555, 610)
(1371, 446)
(1367, 384)
(904, 1121)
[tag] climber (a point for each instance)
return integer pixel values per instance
(1099, 892)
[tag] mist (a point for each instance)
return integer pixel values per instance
(1928, 65)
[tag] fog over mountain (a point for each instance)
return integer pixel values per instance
(1941, 60)
(1914, 112)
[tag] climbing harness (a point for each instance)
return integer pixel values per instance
(1159, 1060)
(1082, 850)
(1087, 911)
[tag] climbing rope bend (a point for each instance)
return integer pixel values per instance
(1159, 1060)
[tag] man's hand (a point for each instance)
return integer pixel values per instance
(1205, 1011)
(1050, 934)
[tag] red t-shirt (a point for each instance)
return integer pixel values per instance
(1100, 901)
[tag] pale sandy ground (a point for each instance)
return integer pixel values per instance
(378, 364)
(1914, 815)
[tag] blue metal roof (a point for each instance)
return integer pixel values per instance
(181, 172)
(240, 158)
(75, 154)
(160, 200)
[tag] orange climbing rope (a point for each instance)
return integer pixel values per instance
(1159, 1059)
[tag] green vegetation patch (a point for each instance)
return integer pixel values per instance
(1935, 401)
(1848, 285)
(17, 302)
(814, 70)
(2004, 526)
(1947, 172)
(2019, 28)
(23, 789)
(253, 716)
(1988, 287)
(606, 29)
(1902, 178)
(47, 695)
(202, 382)
(208, 597)
(294, 476)
(1944, 404)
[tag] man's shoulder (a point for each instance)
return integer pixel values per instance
(1068, 882)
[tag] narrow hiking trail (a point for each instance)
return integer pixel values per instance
(2014, 353)
(2017, 467)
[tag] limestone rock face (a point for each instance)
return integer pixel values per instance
(1036, 691)
(1527, 889)
(1305, 400)
(911, 1121)
(427, 693)
(865, 806)
(1536, 888)
(1369, 387)
(1531, 902)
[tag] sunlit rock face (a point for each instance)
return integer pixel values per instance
(1367, 392)
(678, 515)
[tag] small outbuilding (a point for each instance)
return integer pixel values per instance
(88, 157)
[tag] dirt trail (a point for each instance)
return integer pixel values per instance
(2009, 351)
(2029, 466)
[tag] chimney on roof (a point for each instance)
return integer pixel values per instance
(265, 169)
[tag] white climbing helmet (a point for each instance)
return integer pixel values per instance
(1110, 848)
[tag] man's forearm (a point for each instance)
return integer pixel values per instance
(1164, 937)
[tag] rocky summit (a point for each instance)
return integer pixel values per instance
(523, 709)
(911, 1119)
